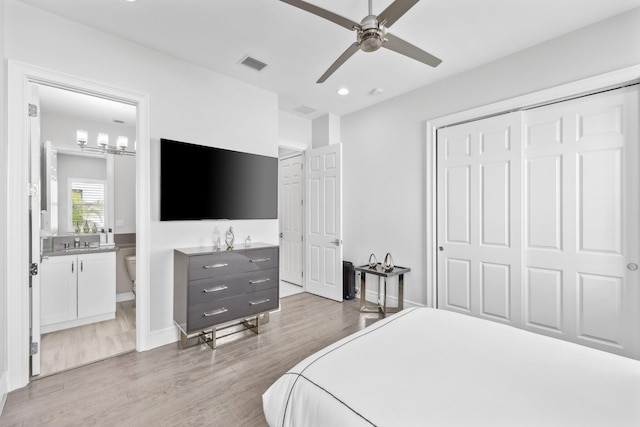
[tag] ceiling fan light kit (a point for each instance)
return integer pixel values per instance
(371, 33)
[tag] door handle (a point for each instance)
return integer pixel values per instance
(632, 266)
(281, 235)
(337, 242)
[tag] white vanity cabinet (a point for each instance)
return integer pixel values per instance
(77, 290)
(58, 289)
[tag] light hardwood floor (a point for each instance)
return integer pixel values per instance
(196, 386)
(70, 348)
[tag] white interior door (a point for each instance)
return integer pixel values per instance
(291, 216)
(479, 248)
(323, 271)
(582, 239)
(34, 221)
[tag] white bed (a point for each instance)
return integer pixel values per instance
(428, 367)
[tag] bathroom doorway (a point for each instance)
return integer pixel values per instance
(87, 218)
(291, 220)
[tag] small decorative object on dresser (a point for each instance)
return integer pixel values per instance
(373, 261)
(229, 238)
(387, 265)
(213, 287)
(247, 242)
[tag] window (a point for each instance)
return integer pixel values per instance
(87, 204)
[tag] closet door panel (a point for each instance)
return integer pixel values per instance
(478, 218)
(597, 183)
(544, 300)
(543, 204)
(495, 284)
(495, 203)
(600, 201)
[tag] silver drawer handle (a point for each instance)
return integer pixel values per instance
(216, 289)
(260, 260)
(255, 282)
(223, 264)
(214, 312)
(262, 301)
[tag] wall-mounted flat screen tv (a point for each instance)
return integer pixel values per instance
(199, 182)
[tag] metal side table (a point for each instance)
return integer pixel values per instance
(381, 307)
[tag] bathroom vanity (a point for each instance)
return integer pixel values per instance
(213, 287)
(77, 288)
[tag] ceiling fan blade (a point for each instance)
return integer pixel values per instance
(396, 44)
(341, 60)
(394, 11)
(323, 13)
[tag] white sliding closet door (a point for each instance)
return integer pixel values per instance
(479, 238)
(581, 216)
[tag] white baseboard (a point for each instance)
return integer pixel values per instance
(163, 337)
(392, 301)
(126, 296)
(4, 390)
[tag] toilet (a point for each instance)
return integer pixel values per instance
(130, 260)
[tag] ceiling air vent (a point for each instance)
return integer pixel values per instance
(253, 63)
(303, 109)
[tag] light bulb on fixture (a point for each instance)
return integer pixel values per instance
(122, 142)
(81, 137)
(103, 140)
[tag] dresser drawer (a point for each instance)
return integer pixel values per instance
(208, 314)
(226, 263)
(212, 288)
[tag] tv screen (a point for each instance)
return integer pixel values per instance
(199, 182)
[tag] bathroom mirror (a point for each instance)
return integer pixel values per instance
(76, 191)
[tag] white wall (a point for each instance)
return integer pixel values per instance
(187, 103)
(61, 131)
(3, 198)
(384, 146)
(294, 132)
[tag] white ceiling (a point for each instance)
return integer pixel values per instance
(298, 46)
(85, 107)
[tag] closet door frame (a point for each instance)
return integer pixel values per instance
(581, 87)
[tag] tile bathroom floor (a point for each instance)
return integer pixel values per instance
(70, 348)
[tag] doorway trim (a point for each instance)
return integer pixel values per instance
(20, 75)
(554, 94)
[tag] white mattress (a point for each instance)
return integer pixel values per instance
(427, 367)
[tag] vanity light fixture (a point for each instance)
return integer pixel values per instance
(103, 144)
(81, 137)
(122, 142)
(103, 140)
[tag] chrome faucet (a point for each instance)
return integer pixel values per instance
(76, 242)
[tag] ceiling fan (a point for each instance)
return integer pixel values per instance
(371, 33)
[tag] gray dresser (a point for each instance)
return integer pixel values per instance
(214, 287)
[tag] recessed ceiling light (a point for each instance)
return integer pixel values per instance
(376, 91)
(130, 1)
(343, 91)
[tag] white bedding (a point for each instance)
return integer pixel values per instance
(428, 367)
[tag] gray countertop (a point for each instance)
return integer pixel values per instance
(80, 251)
